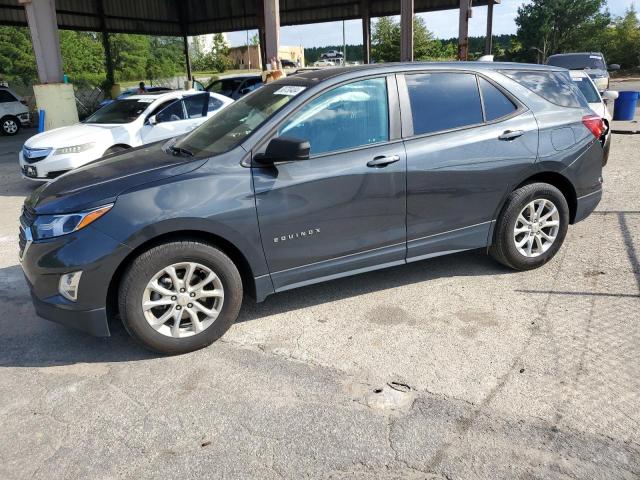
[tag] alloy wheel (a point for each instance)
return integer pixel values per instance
(10, 126)
(183, 299)
(536, 228)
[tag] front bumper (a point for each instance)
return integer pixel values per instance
(52, 166)
(89, 250)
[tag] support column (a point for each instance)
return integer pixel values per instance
(187, 59)
(366, 32)
(463, 30)
(43, 26)
(406, 30)
(489, 38)
(184, 27)
(271, 28)
(108, 58)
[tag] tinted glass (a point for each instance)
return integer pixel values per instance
(6, 97)
(577, 61)
(346, 117)
(214, 104)
(556, 87)
(441, 101)
(234, 123)
(195, 105)
(496, 103)
(226, 86)
(588, 90)
(120, 111)
(172, 113)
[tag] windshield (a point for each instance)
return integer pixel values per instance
(587, 89)
(578, 62)
(233, 124)
(120, 111)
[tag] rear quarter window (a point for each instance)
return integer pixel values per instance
(555, 87)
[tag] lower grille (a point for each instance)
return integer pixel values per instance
(28, 216)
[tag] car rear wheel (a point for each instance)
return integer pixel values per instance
(531, 227)
(9, 125)
(180, 296)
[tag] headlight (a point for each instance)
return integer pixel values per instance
(50, 226)
(75, 149)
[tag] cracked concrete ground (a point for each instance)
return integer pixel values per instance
(512, 375)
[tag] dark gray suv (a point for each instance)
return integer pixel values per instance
(326, 174)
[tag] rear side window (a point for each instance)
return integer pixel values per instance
(555, 87)
(195, 105)
(587, 89)
(214, 104)
(442, 101)
(6, 97)
(496, 103)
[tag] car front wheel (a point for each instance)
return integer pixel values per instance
(531, 228)
(180, 296)
(9, 125)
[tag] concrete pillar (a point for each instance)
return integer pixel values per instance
(489, 38)
(271, 29)
(463, 30)
(406, 30)
(43, 26)
(187, 59)
(366, 31)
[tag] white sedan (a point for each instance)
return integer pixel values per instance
(123, 124)
(597, 103)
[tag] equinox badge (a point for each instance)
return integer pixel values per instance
(291, 236)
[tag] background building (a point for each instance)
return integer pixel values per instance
(249, 57)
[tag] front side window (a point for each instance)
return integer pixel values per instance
(195, 105)
(496, 103)
(172, 113)
(349, 116)
(443, 101)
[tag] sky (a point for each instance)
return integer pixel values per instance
(442, 24)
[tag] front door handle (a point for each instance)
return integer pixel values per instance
(511, 134)
(383, 161)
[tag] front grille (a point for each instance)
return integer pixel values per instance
(32, 155)
(22, 241)
(28, 216)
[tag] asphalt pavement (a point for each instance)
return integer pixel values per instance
(452, 368)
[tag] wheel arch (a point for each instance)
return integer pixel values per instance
(236, 256)
(559, 181)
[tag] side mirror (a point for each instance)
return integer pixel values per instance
(610, 95)
(152, 120)
(284, 149)
(613, 67)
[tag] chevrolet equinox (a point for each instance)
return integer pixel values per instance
(310, 178)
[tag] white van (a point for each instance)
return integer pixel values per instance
(13, 112)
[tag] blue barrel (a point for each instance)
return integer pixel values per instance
(625, 106)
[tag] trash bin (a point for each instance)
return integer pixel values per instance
(625, 106)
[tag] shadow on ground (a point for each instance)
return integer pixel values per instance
(27, 340)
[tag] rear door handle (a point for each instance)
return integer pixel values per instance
(383, 161)
(511, 134)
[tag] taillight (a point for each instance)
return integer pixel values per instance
(595, 124)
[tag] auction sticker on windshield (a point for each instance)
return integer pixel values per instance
(290, 90)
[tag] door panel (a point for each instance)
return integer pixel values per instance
(332, 214)
(457, 180)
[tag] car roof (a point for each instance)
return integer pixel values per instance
(569, 54)
(317, 76)
(164, 95)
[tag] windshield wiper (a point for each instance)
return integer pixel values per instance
(180, 151)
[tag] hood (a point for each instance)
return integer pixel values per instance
(73, 135)
(101, 182)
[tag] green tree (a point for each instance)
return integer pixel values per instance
(17, 63)
(622, 42)
(166, 57)
(554, 26)
(385, 41)
(130, 56)
(82, 57)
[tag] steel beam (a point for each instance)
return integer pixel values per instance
(366, 32)
(489, 38)
(463, 30)
(406, 30)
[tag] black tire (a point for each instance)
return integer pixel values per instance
(606, 147)
(115, 149)
(503, 247)
(10, 125)
(144, 267)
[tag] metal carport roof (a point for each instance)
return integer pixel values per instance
(195, 17)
